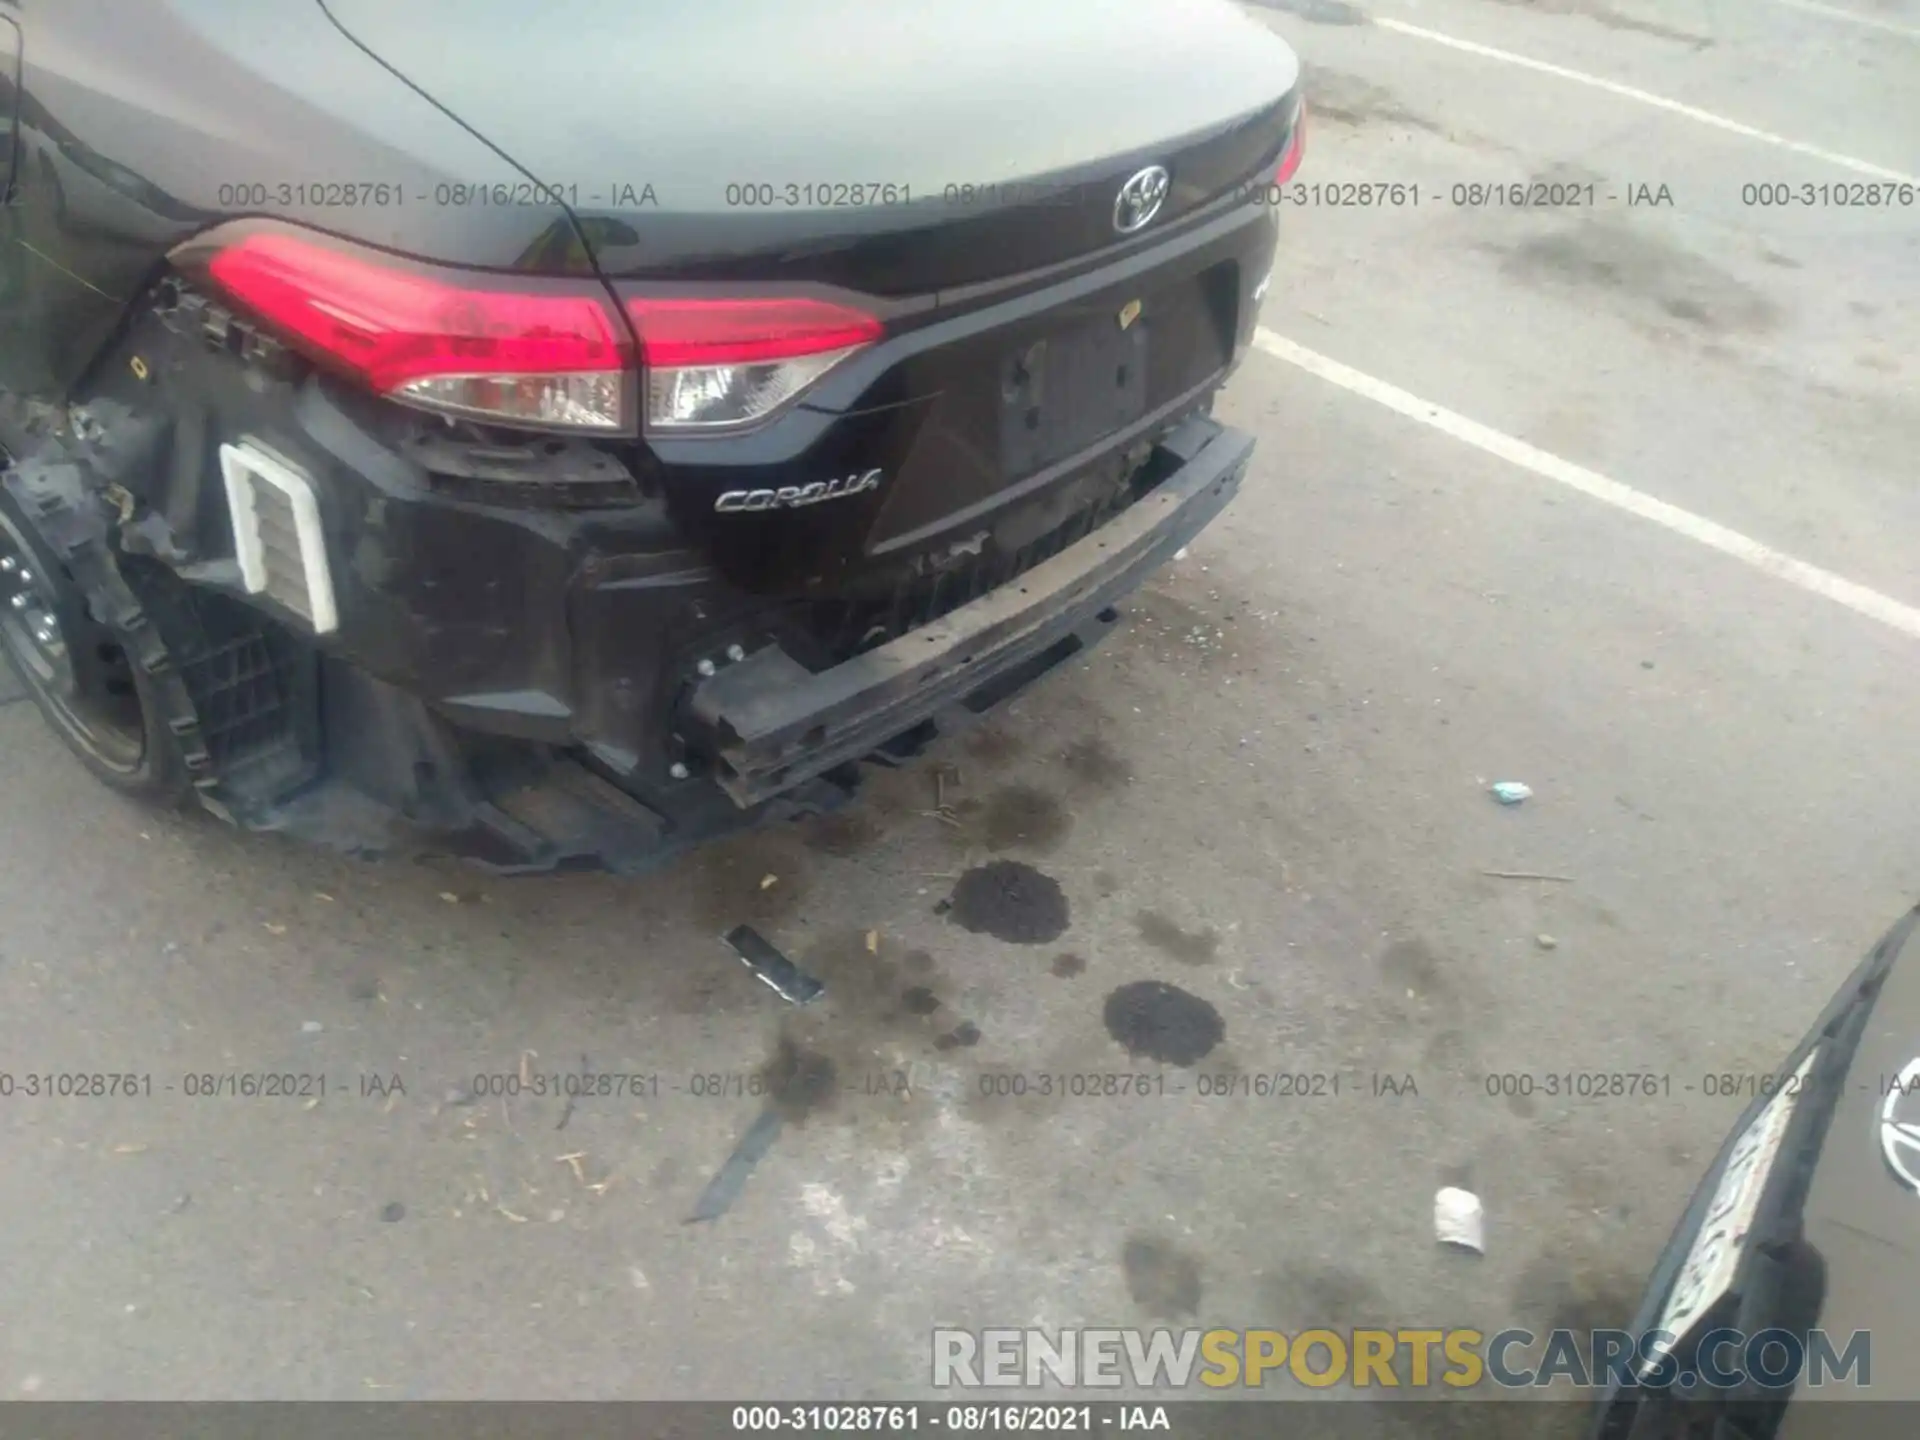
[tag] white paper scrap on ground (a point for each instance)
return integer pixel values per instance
(1459, 1220)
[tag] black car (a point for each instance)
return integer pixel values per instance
(1779, 1308)
(576, 431)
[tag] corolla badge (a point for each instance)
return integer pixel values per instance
(1900, 1126)
(1140, 199)
(792, 497)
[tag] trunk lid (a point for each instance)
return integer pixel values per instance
(698, 141)
(957, 166)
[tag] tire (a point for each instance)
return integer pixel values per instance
(156, 778)
(136, 753)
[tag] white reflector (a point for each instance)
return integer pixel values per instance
(277, 537)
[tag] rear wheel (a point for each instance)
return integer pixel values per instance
(80, 675)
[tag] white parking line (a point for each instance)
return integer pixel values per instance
(1647, 97)
(1762, 557)
(1835, 12)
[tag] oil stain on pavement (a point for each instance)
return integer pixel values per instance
(1010, 901)
(851, 1057)
(963, 1036)
(1412, 967)
(845, 833)
(1342, 99)
(1025, 816)
(885, 1011)
(1163, 1280)
(799, 1083)
(1581, 1293)
(756, 879)
(876, 995)
(1190, 947)
(1162, 1022)
(1314, 1294)
(994, 746)
(1655, 280)
(1093, 762)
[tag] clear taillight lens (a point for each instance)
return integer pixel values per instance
(692, 396)
(713, 363)
(552, 357)
(591, 400)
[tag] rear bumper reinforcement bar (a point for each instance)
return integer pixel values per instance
(773, 723)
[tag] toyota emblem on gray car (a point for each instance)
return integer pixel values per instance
(1140, 199)
(1900, 1126)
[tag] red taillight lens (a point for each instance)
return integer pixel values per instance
(725, 362)
(548, 353)
(677, 331)
(1296, 148)
(514, 356)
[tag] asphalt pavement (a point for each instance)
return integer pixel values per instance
(1615, 497)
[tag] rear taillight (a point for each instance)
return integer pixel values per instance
(553, 358)
(711, 363)
(551, 353)
(1296, 148)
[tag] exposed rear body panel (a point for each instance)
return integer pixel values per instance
(419, 265)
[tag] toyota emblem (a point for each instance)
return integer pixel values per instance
(1140, 199)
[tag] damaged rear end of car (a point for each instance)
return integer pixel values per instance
(571, 511)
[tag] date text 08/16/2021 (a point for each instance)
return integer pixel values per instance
(974, 1419)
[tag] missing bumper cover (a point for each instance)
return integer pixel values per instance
(773, 723)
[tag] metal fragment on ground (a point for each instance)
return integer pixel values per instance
(727, 1182)
(771, 968)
